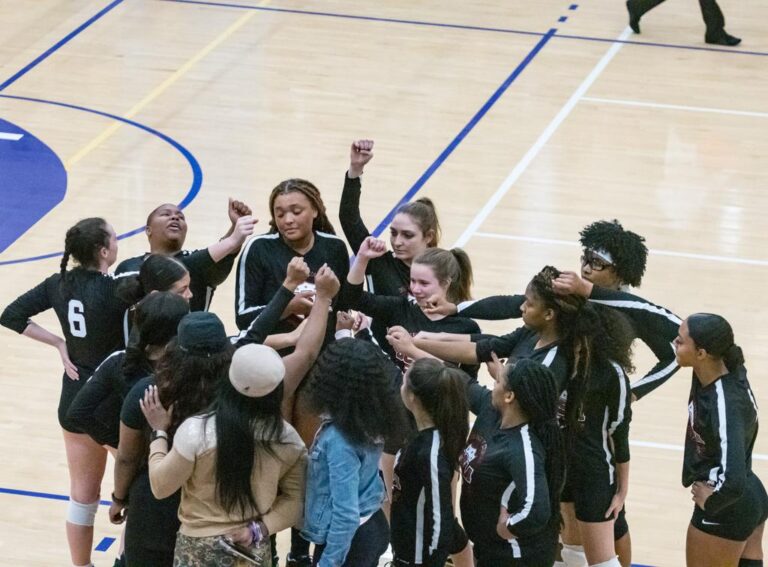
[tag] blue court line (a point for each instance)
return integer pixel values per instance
(45, 495)
(197, 173)
(66, 39)
(104, 544)
(732, 51)
(464, 131)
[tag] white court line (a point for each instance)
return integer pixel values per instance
(11, 136)
(726, 259)
(680, 448)
(542, 140)
(677, 107)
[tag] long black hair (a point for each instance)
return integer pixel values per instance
(442, 392)
(592, 335)
(245, 427)
(83, 242)
(158, 273)
(535, 388)
(155, 320)
(714, 334)
(189, 381)
(351, 384)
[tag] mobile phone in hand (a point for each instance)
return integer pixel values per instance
(237, 550)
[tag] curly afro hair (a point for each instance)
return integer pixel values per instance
(627, 248)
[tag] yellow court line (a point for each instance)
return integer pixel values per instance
(161, 88)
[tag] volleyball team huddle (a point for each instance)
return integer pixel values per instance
(343, 414)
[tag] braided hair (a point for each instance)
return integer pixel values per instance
(714, 334)
(155, 319)
(83, 242)
(536, 390)
(350, 383)
(592, 335)
(312, 193)
(629, 252)
(442, 393)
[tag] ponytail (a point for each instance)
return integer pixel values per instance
(452, 267)
(423, 213)
(83, 241)
(715, 335)
(442, 392)
(157, 273)
(535, 388)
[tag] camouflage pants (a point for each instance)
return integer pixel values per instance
(206, 552)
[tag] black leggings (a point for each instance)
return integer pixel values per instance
(369, 544)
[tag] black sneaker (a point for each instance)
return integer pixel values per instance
(298, 561)
(634, 17)
(723, 38)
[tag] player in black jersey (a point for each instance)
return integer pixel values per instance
(208, 267)
(157, 273)
(731, 502)
(547, 318)
(435, 272)
(83, 299)
(424, 529)
(414, 228)
(299, 227)
(96, 408)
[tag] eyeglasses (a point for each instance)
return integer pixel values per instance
(594, 262)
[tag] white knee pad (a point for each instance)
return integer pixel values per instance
(82, 514)
(573, 556)
(610, 563)
(559, 564)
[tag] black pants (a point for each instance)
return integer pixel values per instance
(710, 11)
(369, 544)
(150, 531)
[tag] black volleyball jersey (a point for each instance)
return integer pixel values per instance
(504, 467)
(91, 317)
(721, 433)
(385, 275)
(597, 422)
(204, 273)
(398, 310)
(521, 343)
(96, 408)
(262, 267)
(654, 325)
(422, 503)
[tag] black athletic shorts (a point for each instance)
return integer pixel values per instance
(69, 389)
(590, 493)
(737, 521)
(620, 526)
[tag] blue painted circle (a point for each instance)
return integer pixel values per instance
(197, 172)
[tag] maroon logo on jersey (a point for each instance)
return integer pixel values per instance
(472, 456)
(693, 435)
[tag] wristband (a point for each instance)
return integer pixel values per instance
(119, 501)
(157, 434)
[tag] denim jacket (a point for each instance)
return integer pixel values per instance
(343, 486)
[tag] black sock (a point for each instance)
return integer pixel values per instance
(750, 562)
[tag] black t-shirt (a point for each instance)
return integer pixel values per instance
(204, 273)
(90, 315)
(131, 414)
(262, 267)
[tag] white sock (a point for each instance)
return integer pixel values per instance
(610, 563)
(559, 564)
(573, 555)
